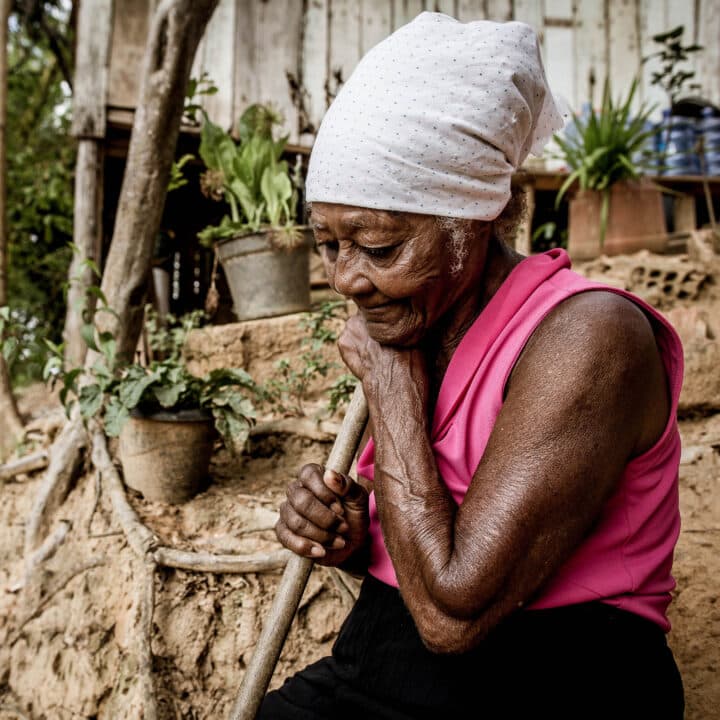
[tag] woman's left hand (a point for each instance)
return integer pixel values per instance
(384, 371)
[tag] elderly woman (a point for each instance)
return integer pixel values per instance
(516, 507)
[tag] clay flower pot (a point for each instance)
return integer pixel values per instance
(165, 456)
(636, 221)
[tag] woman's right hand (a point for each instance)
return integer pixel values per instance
(325, 516)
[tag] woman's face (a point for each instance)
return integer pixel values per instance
(395, 266)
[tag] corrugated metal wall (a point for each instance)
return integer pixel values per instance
(296, 53)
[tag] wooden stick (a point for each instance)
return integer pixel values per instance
(294, 579)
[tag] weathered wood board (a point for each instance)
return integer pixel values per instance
(296, 54)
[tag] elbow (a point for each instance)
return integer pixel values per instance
(451, 636)
(458, 597)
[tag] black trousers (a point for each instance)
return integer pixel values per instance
(581, 662)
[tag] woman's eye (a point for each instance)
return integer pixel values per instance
(378, 252)
(329, 246)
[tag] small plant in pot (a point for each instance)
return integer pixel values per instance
(608, 153)
(167, 419)
(263, 250)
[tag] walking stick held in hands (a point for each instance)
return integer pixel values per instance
(297, 571)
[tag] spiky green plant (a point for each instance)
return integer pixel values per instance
(608, 146)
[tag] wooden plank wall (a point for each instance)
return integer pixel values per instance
(297, 53)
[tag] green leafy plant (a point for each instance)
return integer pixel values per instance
(606, 147)
(113, 391)
(198, 87)
(287, 392)
(671, 76)
(250, 176)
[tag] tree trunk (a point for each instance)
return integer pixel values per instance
(87, 238)
(174, 35)
(9, 415)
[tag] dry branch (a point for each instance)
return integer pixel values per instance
(139, 537)
(36, 461)
(207, 562)
(64, 461)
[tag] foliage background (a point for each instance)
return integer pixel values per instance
(41, 159)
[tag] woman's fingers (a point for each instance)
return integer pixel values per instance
(297, 544)
(311, 477)
(324, 511)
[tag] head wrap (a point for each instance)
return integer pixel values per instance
(435, 119)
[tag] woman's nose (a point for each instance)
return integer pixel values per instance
(349, 277)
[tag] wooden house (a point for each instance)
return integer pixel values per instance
(295, 54)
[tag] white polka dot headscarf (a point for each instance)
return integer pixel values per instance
(435, 119)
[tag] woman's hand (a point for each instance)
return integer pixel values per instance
(325, 516)
(386, 372)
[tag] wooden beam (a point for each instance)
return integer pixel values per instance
(91, 68)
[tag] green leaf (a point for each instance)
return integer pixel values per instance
(116, 415)
(91, 400)
(168, 397)
(88, 335)
(132, 388)
(10, 348)
(106, 343)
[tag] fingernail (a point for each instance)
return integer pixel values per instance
(338, 543)
(317, 551)
(329, 476)
(343, 527)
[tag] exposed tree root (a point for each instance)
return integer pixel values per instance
(29, 463)
(145, 607)
(64, 462)
(207, 562)
(51, 543)
(139, 537)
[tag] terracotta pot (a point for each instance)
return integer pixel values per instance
(636, 221)
(265, 281)
(166, 456)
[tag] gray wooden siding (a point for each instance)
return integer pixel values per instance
(296, 53)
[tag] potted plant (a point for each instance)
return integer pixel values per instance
(615, 210)
(262, 249)
(167, 420)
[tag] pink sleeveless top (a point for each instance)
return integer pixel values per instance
(627, 558)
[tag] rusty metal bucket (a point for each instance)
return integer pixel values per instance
(266, 281)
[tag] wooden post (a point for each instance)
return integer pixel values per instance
(89, 119)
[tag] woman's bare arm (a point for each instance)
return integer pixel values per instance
(588, 393)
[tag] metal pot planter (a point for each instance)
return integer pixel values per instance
(166, 456)
(636, 221)
(266, 280)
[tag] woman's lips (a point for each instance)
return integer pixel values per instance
(376, 309)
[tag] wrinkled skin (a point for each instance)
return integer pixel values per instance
(587, 394)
